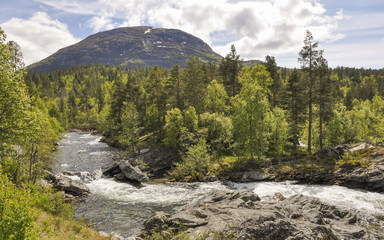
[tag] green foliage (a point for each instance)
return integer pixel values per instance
(249, 111)
(178, 106)
(219, 130)
(359, 158)
(217, 98)
(278, 129)
(14, 98)
(16, 213)
(230, 68)
(194, 80)
(27, 132)
(295, 106)
(191, 120)
(309, 58)
(277, 85)
(175, 122)
(129, 123)
(194, 162)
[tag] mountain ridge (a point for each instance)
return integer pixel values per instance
(130, 46)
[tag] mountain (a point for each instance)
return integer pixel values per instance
(130, 46)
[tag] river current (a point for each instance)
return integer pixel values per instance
(122, 208)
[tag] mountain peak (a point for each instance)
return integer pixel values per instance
(130, 46)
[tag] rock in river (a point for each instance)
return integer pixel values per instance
(241, 215)
(123, 170)
(68, 185)
(132, 173)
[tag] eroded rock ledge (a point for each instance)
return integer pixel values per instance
(241, 215)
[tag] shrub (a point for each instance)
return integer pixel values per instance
(16, 214)
(194, 162)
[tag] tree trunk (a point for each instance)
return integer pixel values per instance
(321, 130)
(251, 136)
(310, 116)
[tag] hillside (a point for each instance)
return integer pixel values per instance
(130, 46)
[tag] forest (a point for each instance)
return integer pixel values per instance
(203, 112)
(226, 109)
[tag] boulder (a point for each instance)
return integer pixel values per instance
(83, 176)
(241, 215)
(249, 176)
(155, 160)
(112, 170)
(157, 221)
(333, 153)
(70, 186)
(132, 173)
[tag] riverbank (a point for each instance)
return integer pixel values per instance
(122, 207)
(357, 166)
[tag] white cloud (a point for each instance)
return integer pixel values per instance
(261, 26)
(39, 36)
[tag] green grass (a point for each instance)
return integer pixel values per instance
(54, 227)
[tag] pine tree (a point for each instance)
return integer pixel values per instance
(175, 87)
(308, 58)
(295, 105)
(323, 95)
(277, 85)
(229, 68)
(194, 89)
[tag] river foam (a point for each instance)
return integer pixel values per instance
(122, 208)
(364, 202)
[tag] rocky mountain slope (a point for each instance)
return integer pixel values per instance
(130, 46)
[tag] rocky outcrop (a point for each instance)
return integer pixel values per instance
(68, 185)
(154, 160)
(364, 170)
(123, 170)
(371, 178)
(334, 152)
(132, 173)
(83, 176)
(249, 176)
(241, 215)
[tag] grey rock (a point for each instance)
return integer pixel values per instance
(119, 177)
(334, 153)
(249, 176)
(112, 235)
(241, 215)
(371, 178)
(158, 221)
(145, 150)
(69, 186)
(155, 160)
(112, 170)
(252, 176)
(84, 176)
(132, 173)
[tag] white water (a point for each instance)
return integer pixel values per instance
(122, 208)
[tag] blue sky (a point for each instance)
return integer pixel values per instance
(350, 32)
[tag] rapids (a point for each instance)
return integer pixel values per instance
(122, 208)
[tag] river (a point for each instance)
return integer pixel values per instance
(123, 208)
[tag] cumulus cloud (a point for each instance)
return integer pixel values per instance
(257, 27)
(39, 36)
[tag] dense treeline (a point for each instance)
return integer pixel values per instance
(224, 109)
